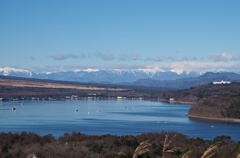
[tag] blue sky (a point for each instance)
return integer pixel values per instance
(177, 35)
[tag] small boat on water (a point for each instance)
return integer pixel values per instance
(14, 108)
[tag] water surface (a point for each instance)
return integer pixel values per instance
(116, 117)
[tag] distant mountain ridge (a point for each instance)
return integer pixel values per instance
(185, 83)
(99, 76)
(136, 78)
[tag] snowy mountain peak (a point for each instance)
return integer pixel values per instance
(91, 70)
(95, 75)
(86, 70)
(8, 71)
(150, 72)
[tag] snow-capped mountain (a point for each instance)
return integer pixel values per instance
(99, 76)
(7, 71)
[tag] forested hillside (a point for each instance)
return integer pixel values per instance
(218, 101)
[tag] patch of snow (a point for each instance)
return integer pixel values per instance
(91, 70)
(135, 72)
(7, 71)
(149, 72)
(49, 73)
(179, 72)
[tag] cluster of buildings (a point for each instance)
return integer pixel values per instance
(222, 82)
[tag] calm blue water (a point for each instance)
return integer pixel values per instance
(116, 117)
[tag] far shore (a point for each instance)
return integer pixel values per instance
(230, 120)
(177, 102)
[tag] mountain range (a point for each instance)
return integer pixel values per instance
(99, 76)
(185, 83)
(136, 78)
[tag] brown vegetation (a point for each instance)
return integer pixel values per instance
(157, 145)
(39, 84)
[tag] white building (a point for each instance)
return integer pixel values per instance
(222, 82)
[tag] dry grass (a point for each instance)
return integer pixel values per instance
(22, 83)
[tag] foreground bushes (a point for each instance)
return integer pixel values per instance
(108, 146)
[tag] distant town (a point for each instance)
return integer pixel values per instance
(222, 82)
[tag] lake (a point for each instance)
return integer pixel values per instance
(116, 117)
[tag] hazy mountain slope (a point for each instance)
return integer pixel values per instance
(189, 82)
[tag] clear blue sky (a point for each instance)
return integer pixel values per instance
(179, 35)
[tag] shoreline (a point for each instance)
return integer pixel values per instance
(177, 102)
(229, 120)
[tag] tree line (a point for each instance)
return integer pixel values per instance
(148, 145)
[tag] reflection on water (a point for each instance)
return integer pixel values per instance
(117, 117)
